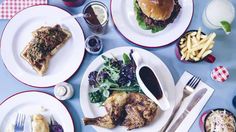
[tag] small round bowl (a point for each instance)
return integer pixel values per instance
(208, 58)
(218, 109)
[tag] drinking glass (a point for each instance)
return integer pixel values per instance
(217, 11)
(96, 17)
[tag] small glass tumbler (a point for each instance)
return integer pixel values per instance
(96, 17)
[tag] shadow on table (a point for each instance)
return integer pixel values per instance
(76, 90)
(73, 106)
(232, 73)
(75, 117)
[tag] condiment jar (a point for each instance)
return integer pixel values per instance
(93, 44)
(73, 3)
(63, 91)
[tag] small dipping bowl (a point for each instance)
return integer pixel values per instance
(94, 45)
(209, 58)
(214, 110)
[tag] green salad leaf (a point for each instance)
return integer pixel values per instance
(113, 75)
(126, 59)
(96, 97)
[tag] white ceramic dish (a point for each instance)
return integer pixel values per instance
(125, 22)
(30, 102)
(17, 35)
(93, 110)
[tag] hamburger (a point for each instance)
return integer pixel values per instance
(155, 15)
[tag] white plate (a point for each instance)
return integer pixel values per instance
(93, 110)
(30, 102)
(125, 21)
(17, 35)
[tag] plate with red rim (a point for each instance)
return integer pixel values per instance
(126, 24)
(31, 102)
(18, 33)
(93, 110)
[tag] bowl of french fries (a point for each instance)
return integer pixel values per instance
(195, 46)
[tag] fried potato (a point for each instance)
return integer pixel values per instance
(195, 46)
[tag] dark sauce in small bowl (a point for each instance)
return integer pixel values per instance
(150, 81)
(93, 44)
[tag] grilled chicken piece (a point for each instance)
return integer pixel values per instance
(145, 105)
(133, 110)
(114, 106)
(140, 111)
(133, 119)
(105, 121)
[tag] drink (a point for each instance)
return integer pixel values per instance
(218, 11)
(73, 3)
(96, 16)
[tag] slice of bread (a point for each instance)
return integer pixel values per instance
(41, 66)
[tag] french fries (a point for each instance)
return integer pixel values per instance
(196, 46)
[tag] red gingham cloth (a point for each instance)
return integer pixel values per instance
(220, 74)
(10, 7)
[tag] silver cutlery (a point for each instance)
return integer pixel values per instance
(27, 124)
(196, 98)
(188, 90)
(19, 123)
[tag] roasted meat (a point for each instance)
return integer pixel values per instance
(133, 110)
(105, 121)
(140, 111)
(114, 106)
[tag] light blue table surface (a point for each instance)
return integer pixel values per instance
(225, 52)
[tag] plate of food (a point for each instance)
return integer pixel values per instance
(38, 112)
(41, 48)
(218, 119)
(112, 98)
(154, 23)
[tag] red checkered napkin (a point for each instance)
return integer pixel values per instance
(220, 74)
(10, 7)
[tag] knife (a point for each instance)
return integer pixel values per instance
(196, 98)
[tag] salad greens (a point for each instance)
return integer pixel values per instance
(114, 75)
(141, 21)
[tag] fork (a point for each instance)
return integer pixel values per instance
(190, 86)
(188, 90)
(19, 123)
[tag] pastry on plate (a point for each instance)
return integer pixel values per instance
(39, 123)
(45, 43)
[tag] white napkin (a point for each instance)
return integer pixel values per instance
(191, 117)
